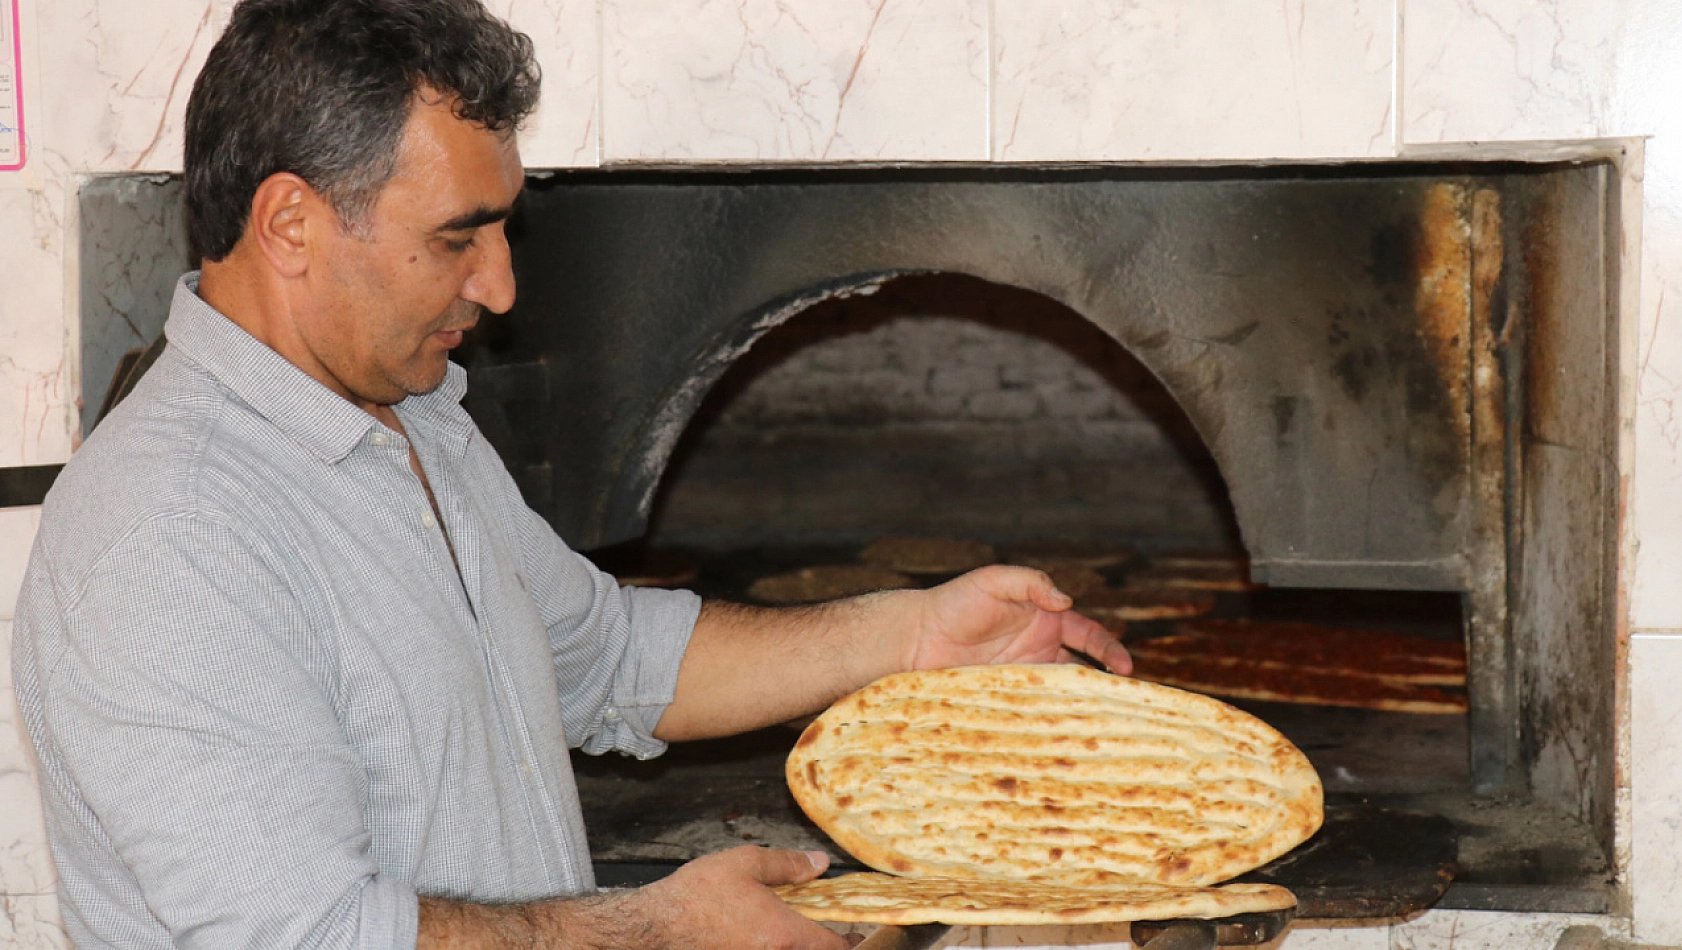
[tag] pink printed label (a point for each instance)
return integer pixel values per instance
(12, 140)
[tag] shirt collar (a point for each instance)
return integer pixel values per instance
(295, 402)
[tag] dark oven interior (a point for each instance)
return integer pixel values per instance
(1390, 387)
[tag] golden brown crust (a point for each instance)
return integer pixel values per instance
(809, 585)
(1076, 580)
(1237, 678)
(1217, 577)
(1083, 553)
(1232, 561)
(1313, 664)
(881, 899)
(1129, 604)
(928, 555)
(1312, 648)
(1340, 643)
(659, 569)
(1055, 774)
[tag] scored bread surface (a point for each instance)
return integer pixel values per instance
(883, 899)
(1058, 774)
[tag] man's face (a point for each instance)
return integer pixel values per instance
(389, 302)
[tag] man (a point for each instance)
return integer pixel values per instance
(300, 667)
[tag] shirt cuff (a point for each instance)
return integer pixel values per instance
(661, 624)
(390, 915)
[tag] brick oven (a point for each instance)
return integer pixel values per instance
(1385, 289)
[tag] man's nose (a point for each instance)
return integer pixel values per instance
(491, 284)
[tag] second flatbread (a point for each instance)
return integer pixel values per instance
(883, 899)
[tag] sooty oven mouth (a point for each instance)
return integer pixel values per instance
(1401, 373)
(1395, 383)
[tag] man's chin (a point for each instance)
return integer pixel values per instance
(422, 387)
(429, 378)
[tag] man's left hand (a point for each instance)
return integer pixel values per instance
(1005, 614)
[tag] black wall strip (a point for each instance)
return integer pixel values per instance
(26, 485)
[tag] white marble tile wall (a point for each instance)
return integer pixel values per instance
(771, 80)
(137, 62)
(28, 910)
(134, 65)
(566, 130)
(37, 391)
(1093, 80)
(1509, 70)
(1483, 70)
(1480, 930)
(1656, 758)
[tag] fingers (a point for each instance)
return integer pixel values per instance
(723, 902)
(774, 867)
(1092, 639)
(1021, 584)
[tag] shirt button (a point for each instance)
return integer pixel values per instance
(429, 521)
(378, 438)
(612, 715)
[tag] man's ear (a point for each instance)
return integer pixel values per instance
(281, 225)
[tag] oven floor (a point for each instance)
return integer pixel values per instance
(646, 817)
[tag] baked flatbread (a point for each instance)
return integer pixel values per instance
(883, 899)
(1076, 580)
(1055, 774)
(1233, 561)
(1274, 681)
(928, 555)
(1086, 554)
(1221, 577)
(1117, 607)
(810, 585)
(658, 569)
(1319, 647)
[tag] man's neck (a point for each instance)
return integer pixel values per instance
(257, 302)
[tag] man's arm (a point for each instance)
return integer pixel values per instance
(748, 667)
(719, 901)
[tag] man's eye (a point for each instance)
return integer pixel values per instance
(456, 247)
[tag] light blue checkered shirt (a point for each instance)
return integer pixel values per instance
(268, 709)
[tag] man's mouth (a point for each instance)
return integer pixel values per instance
(451, 338)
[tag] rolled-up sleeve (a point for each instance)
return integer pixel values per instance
(190, 716)
(616, 649)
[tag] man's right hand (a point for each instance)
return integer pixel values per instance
(721, 901)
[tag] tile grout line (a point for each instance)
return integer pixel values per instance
(1398, 24)
(987, 133)
(601, 85)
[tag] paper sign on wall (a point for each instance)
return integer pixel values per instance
(11, 88)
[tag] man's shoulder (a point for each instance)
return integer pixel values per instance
(146, 461)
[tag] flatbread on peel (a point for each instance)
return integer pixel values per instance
(1420, 659)
(1055, 774)
(1274, 681)
(1307, 646)
(928, 555)
(1219, 577)
(809, 585)
(1076, 580)
(1117, 607)
(659, 568)
(884, 899)
(1083, 553)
